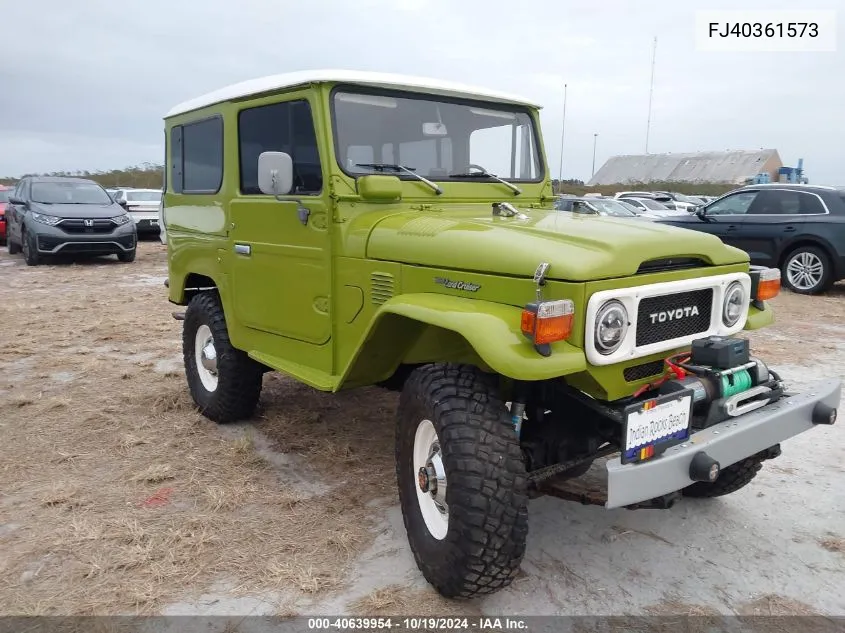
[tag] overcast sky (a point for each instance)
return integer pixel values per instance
(83, 85)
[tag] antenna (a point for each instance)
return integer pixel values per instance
(650, 94)
(562, 131)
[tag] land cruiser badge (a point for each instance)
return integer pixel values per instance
(456, 285)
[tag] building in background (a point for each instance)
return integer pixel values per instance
(700, 167)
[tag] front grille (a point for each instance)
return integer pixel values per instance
(646, 370)
(665, 317)
(100, 225)
(670, 263)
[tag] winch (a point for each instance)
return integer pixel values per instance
(725, 379)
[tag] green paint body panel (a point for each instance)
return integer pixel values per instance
(344, 299)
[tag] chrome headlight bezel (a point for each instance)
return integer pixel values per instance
(43, 218)
(735, 296)
(607, 309)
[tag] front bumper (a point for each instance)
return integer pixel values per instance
(145, 221)
(55, 241)
(727, 442)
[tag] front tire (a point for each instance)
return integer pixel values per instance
(807, 270)
(126, 257)
(454, 432)
(731, 479)
(224, 382)
(30, 249)
(13, 247)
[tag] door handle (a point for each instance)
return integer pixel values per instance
(243, 249)
(789, 229)
(732, 227)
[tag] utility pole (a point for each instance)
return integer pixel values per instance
(650, 93)
(562, 131)
(595, 138)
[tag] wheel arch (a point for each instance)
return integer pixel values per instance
(807, 240)
(415, 329)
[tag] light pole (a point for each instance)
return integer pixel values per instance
(562, 131)
(595, 139)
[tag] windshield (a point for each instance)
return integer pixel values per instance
(612, 207)
(69, 193)
(437, 139)
(143, 196)
(4, 195)
(682, 198)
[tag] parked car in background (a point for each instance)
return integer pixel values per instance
(682, 202)
(595, 206)
(799, 229)
(67, 216)
(651, 208)
(4, 199)
(662, 198)
(142, 205)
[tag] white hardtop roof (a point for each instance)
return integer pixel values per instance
(380, 80)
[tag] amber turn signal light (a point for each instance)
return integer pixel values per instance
(765, 284)
(548, 321)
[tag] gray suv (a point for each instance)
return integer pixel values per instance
(67, 216)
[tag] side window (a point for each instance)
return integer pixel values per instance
(736, 204)
(775, 202)
(176, 158)
(563, 205)
(486, 149)
(280, 127)
(810, 204)
(202, 156)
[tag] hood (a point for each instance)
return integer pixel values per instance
(578, 247)
(78, 210)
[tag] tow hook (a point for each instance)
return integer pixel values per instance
(658, 503)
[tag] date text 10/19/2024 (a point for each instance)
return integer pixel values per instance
(418, 624)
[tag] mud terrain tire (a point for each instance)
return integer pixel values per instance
(481, 541)
(234, 394)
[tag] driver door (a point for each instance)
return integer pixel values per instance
(726, 215)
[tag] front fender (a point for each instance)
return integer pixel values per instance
(758, 318)
(491, 329)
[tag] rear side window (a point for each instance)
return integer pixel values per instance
(280, 127)
(197, 156)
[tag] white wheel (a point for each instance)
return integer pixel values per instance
(206, 357)
(431, 480)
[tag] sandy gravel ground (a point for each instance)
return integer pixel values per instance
(117, 497)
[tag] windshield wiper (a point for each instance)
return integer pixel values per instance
(400, 168)
(486, 174)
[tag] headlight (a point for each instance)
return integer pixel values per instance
(734, 304)
(121, 219)
(611, 327)
(49, 220)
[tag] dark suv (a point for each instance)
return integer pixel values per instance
(67, 216)
(797, 228)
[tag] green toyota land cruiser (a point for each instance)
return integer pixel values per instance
(352, 229)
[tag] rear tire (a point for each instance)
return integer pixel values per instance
(224, 382)
(30, 249)
(126, 257)
(731, 479)
(807, 270)
(454, 427)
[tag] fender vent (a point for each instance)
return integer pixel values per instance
(381, 287)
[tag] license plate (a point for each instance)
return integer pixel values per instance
(652, 426)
